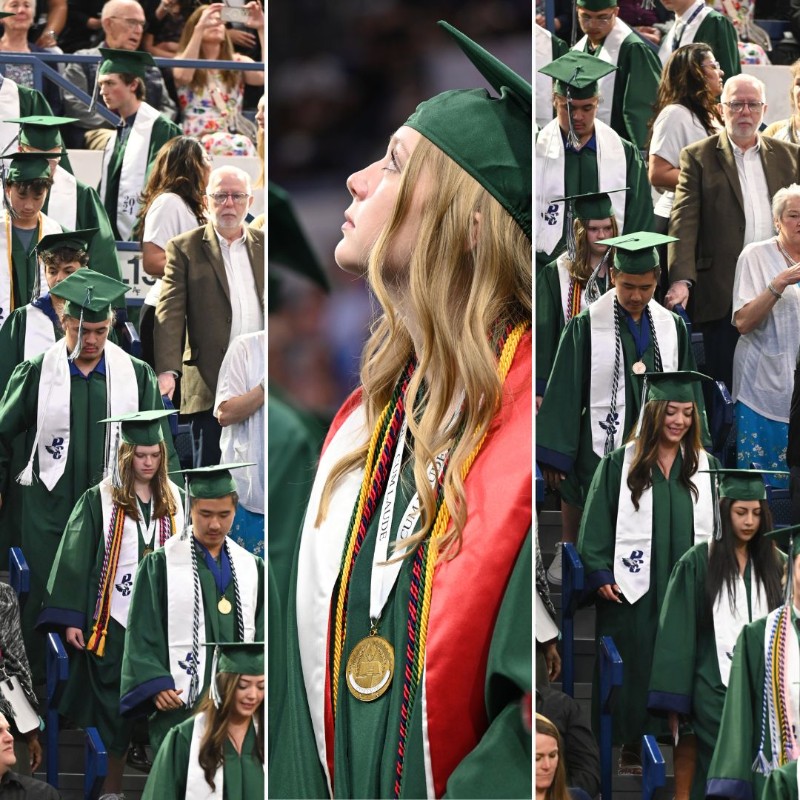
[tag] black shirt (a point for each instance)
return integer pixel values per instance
(20, 787)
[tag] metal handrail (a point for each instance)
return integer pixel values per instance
(572, 588)
(654, 774)
(57, 673)
(19, 574)
(610, 681)
(96, 764)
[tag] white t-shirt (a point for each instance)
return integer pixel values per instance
(674, 128)
(765, 358)
(167, 217)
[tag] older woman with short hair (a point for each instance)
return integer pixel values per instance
(766, 312)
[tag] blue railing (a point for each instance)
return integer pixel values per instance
(96, 764)
(19, 574)
(654, 774)
(57, 672)
(572, 588)
(610, 681)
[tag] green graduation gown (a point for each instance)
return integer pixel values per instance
(91, 696)
(685, 677)
(145, 664)
(633, 627)
(781, 783)
(563, 425)
(44, 513)
(24, 266)
(717, 31)
(243, 774)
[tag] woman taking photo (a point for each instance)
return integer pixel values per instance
(219, 752)
(716, 588)
(647, 505)
(442, 423)
(113, 527)
(766, 312)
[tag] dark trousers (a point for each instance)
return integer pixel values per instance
(719, 343)
(206, 424)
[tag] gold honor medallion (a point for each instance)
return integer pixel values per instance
(370, 668)
(147, 551)
(639, 368)
(224, 606)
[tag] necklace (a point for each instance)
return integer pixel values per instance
(789, 260)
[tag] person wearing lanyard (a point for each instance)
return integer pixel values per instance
(201, 586)
(113, 526)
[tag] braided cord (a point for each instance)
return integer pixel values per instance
(194, 685)
(612, 428)
(761, 763)
(239, 614)
(656, 349)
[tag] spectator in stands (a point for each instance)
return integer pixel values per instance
(166, 20)
(646, 506)
(123, 24)
(222, 746)
(722, 203)
(84, 27)
(686, 110)
(214, 290)
(133, 148)
(551, 775)
(54, 22)
(12, 784)
(715, 589)
(211, 100)
(172, 202)
(788, 130)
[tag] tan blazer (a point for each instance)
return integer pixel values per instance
(195, 300)
(708, 218)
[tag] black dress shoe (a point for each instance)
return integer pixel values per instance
(137, 758)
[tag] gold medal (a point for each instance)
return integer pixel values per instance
(639, 368)
(147, 551)
(370, 668)
(224, 606)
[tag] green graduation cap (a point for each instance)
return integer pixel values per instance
(26, 166)
(575, 74)
(141, 427)
(72, 240)
(130, 62)
(90, 294)
(490, 137)
(742, 484)
(42, 132)
(675, 387)
(241, 658)
(636, 252)
(591, 205)
(211, 482)
(784, 537)
(287, 242)
(596, 5)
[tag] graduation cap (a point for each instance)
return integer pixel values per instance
(125, 62)
(787, 539)
(596, 5)
(287, 242)
(90, 295)
(239, 658)
(742, 484)
(71, 240)
(575, 74)
(674, 387)
(41, 132)
(490, 137)
(589, 205)
(636, 252)
(26, 166)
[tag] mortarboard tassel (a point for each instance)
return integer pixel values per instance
(641, 408)
(717, 518)
(592, 292)
(572, 243)
(116, 476)
(95, 89)
(8, 147)
(213, 689)
(572, 138)
(78, 345)
(186, 504)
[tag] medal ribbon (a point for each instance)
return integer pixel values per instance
(640, 332)
(221, 571)
(150, 529)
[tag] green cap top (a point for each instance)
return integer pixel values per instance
(743, 484)
(141, 427)
(636, 252)
(287, 242)
(495, 146)
(90, 292)
(26, 166)
(577, 71)
(240, 658)
(42, 132)
(596, 5)
(591, 205)
(209, 483)
(4, 14)
(782, 537)
(132, 62)
(74, 240)
(674, 387)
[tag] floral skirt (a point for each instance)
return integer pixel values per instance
(248, 530)
(761, 440)
(224, 143)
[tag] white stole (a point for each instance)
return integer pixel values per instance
(9, 108)
(39, 333)
(134, 168)
(687, 37)
(180, 606)
(53, 419)
(128, 561)
(550, 167)
(603, 333)
(728, 623)
(608, 52)
(62, 203)
(197, 787)
(544, 84)
(634, 533)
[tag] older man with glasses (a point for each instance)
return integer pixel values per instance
(632, 87)
(213, 288)
(123, 23)
(722, 203)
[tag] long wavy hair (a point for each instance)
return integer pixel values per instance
(125, 496)
(177, 168)
(581, 267)
(229, 77)
(723, 567)
(684, 83)
(645, 452)
(558, 788)
(462, 289)
(212, 746)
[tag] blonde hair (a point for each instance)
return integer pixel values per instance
(581, 267)
(125, 496)
(463, 287)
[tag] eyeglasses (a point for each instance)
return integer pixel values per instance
(220, 197)
(131, 23)
(714, 64)
(603, 19)
(737, 106)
